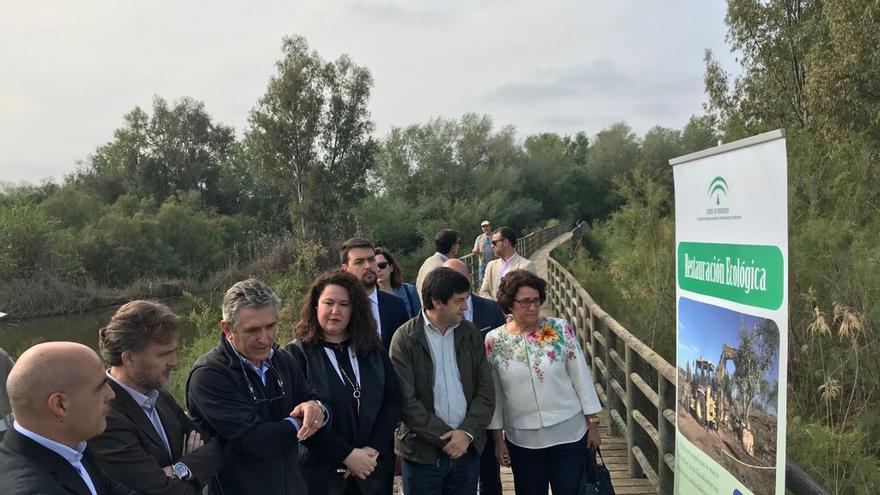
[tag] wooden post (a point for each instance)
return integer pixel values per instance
(666, 396)
(631, 404)
(613, 402)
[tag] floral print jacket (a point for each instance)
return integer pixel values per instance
(541, 378)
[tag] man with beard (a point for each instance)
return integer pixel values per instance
(389, 311)
(150, 444)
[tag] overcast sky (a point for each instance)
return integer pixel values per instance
(72, 69)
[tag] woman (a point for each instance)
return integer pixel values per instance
(390, 280)
(341, 356)
(539, 421)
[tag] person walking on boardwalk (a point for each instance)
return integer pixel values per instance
(506, 260)
(341, 355)
(544, 392)
(447, 389)
(483, 248)
(447, 244)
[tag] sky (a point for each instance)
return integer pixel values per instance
(71, 70)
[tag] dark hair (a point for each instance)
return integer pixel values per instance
(511, 283)
(357, 242)
(396, 276)
(507, 233)
(445, 239)
(133, 327)
(441, 283)
(361, 327)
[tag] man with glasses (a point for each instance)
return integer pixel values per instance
(506, 260)
(253, 396)
(358, 257)
(447, 244)
(150, 444)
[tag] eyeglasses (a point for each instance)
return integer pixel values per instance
(496, 241)
(383, 264)
(526, 303)
(278, 380)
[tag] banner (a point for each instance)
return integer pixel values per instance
(731, 239)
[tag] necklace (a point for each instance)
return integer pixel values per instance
(355, 387)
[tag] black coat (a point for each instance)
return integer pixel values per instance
(487, 314)
(381, 403)
(27, 467)
(131, 451)
(261, 455)
(392, 314)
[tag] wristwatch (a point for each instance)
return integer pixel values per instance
(180, 471)
(593, 420)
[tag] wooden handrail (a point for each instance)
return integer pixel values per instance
(637, 389)
(525, 246)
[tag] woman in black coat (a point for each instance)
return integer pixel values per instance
(339, 351)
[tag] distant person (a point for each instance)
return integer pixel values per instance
(390, 280)
(486, 314)
(253, 396)
(5, 409)
(340, 354)
(150, 444)
(448, 394)
(447, 244)
(545, 422)
(506, 260)
(60, 396)
(483, 248)
(358, 257)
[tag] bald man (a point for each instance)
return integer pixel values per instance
(59, 397)
(486, 314)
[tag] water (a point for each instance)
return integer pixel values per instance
(16, 336)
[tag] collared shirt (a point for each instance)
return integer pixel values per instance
(506, 265)
(469, 312)
(445, 258)
(450, 404)
(148, 404)
(73, 456)
(374, 307)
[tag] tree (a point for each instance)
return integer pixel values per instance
(309, 134)
(758, 351)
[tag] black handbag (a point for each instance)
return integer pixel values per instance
(596, 479)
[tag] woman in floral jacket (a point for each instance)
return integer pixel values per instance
(544, 393)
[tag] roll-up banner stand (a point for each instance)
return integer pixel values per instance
(731, 241)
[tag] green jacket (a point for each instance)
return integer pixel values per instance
(417, 439)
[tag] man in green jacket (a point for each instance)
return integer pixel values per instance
(447, 387)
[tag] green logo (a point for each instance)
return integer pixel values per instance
(717, 187)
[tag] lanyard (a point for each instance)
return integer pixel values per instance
(340, 371)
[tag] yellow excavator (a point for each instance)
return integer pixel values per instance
(704, 394)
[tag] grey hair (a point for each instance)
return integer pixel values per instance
(249, 293)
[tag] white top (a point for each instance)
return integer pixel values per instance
(542, 382)
(450, 404)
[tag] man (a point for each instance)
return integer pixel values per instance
(447, 243)
(60, 397)
(486, 314)
(5, 410)
(150, 444)
(447, 387)
(506, 259)
(253, 396)
(358, 258)
(483, 248)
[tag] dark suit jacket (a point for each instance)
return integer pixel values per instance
(487, 314)
(392, 314)
(131, 451)
(29, 468)
(381, 402)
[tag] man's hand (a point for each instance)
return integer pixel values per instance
(192, 442)
(502, 453)
(593, 438)
(310, 416)
(457, 443)
(168, 471)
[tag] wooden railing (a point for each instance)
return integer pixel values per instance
(525, 246)
(636, 385)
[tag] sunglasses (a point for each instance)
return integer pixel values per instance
(496, 241)
(383, 264)
(260, 400)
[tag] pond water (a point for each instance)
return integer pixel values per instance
(16, 336)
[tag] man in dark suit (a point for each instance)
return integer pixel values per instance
(60, 397)
(486, 314)
(150, 444)
(389, 311)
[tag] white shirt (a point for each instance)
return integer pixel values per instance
(450, 404)
(505, 266)
(374, 307)
(73, 456)
(148, 404)
(469, 312)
